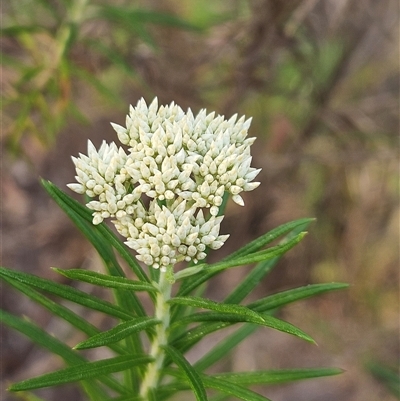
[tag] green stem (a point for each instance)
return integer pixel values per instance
(162, 313)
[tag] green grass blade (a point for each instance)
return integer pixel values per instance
(285, 297)
(118, 333)
(232, 389)
(105, 280)
(66, 292)
(277, 376)
(190, 373)
(50, 343)
(89, 370)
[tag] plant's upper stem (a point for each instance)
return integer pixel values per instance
(162, 313)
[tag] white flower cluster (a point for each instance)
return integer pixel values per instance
(184, 164)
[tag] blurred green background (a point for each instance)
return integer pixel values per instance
(321, 80)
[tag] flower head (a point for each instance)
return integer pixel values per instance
(184, 164)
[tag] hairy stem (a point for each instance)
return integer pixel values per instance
(162, 313)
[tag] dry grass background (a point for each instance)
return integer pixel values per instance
(319, 77)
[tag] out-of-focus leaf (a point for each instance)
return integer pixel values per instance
(89, 370)
(18, 29)
(233, 389)
(389, 377)
(114, 56)
(132, 17)
(97, 84)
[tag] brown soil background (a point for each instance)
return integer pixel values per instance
(337, 162)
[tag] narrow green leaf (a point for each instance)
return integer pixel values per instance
(265, 320)
(191, 374)
(270, 236)
(269, 303)
(251, 280)
(55, 308)
(102, 238)
(166, 391)
(66, 292)
(285, 297)
(40, 337)
(277, 376)
(117, 333)
(209, 270)
(216, 306)
(50, 343)
(232, 389)
(69, 205)
(59, 310)
(82, 371)
(224, 347)
(105, 280)
(220, 397)
(257, 256)
(254, 277)
(186, 340)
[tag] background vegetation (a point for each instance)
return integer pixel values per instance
(319, 77)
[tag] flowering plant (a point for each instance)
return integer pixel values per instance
(166, 196)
